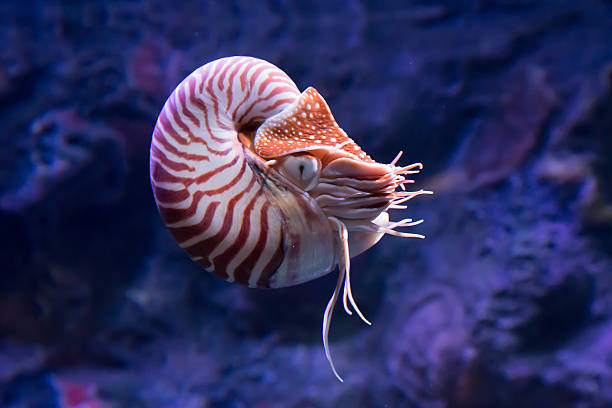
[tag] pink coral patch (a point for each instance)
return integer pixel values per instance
(73, 394)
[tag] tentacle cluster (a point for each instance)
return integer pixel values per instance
(379, 225)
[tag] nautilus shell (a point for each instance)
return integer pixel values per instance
(260, 186)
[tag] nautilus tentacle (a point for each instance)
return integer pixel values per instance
(260, 185)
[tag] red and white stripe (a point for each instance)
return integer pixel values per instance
(210, 189)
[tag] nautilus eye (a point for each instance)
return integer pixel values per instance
(302, 170)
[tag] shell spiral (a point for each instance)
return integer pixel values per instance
(233, 214)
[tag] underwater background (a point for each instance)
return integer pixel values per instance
(507, 303)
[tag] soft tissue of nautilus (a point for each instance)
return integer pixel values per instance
(260, 186)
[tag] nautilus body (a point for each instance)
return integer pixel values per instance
(260, 186)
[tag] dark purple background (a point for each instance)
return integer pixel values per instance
(507, 303)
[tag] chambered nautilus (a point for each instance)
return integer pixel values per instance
(260, 186)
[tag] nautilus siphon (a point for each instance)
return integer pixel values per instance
(260, 186)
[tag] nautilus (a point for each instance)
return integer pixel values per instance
(261, 187)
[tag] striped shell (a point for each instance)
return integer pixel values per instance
(260, 186)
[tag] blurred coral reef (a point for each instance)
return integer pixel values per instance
(507, 303)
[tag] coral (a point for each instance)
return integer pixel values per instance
(64, 153)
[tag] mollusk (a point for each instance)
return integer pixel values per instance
(260, 186)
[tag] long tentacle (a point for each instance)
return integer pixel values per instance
(344, 266)
(329, 310)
